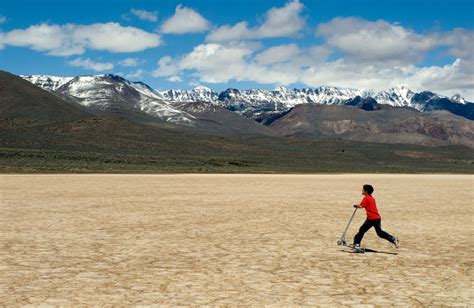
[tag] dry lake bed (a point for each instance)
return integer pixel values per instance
(71, 240)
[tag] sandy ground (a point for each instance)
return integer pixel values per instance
(232, 239)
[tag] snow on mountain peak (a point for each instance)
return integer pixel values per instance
(202, 89)
(47, 82)
(281, 89)
(199, 94)
(104, 90)
(458, 99)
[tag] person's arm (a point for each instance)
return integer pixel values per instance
(361, 205)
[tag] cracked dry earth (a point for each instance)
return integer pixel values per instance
(71, 240)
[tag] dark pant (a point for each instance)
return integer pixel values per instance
(376, 223)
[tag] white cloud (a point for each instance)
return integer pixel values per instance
(213, 63)
(375, 41)
(91, 65)
(279, 22)
(290, 64)
(72, 39)
(185, 20)
(217, 63)
(285, 21)
(174, 79)
(129, 62)
(115, 38)
(278, 54)
(2, 38)
(145, 15)
(239, 31)
(220, 63)
(319, 53)
(2, 19)
(166, 67)
(460, 42)
(448, 79)
(135, 75)
(380, 41)
(41, 37)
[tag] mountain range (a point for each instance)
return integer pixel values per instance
(106, 123)
(401, 114)
(99, 91)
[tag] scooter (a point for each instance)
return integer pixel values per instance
(342, 239)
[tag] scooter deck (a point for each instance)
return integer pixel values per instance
(355, 250)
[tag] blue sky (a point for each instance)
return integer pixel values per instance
(246, 44)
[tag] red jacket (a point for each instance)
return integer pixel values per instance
(370, 207)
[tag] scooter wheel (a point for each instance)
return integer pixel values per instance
(339, 243)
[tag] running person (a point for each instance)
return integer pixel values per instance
(373, 218)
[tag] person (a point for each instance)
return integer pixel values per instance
(373, 219)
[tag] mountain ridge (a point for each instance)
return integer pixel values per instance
(42, 132)
(376, 123)
(258, 104)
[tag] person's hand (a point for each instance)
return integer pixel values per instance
(357, 206)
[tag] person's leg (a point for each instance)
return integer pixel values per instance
(381, 233)
(364, 228)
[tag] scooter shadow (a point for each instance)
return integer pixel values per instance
(367, 250)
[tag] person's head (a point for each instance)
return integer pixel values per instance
(367, 189)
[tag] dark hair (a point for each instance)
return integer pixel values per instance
(368, 189)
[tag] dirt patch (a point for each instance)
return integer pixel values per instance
(232, 239)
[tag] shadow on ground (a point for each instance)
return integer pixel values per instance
(367, 250)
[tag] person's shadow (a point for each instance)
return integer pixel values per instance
(368, 250)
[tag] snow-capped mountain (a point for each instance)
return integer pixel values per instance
(257, 103)
(197, 95)
(113, 93)
(283, 98)
(398, 96)
(458, 99)
(47, 82)
(102, 92)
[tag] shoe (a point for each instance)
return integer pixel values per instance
(355, 246)
(396, 242)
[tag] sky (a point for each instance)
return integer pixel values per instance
(365, 44)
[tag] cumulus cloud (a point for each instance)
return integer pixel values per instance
(174, 79)
(239, 31)
(167, 67)
(129, 62)
(2, 36)
(185, 20)
(379, 54)
(278, 54)
(217, 63)
(342, 73)
(460, 42)
(115, 38)
(91, 65)
(41, 37)
(135, 75)
(285, 21)
(145, 15)
(73, 39)
(220, 63)
(291, 64)
(211, 62)
(375, 40)
(279, 22)
(380, 41)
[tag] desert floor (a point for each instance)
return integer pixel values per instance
(232, 239)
